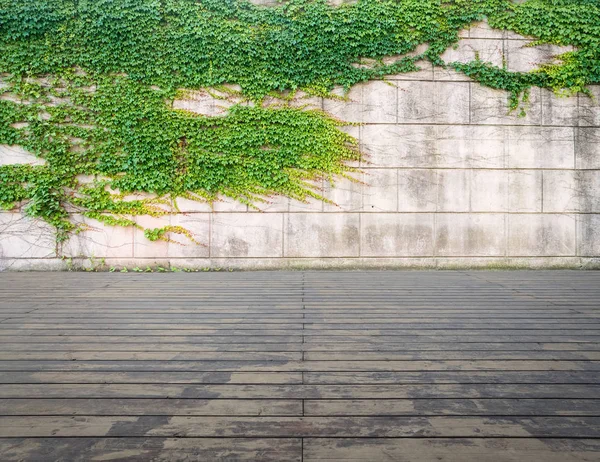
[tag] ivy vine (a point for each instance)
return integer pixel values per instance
(87, 86)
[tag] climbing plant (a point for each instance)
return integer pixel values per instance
(88, 87)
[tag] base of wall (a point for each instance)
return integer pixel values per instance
(255, 264)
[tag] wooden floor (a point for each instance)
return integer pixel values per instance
(300, 366)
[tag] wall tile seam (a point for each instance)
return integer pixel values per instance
(350, 257)
(576, 135)
(542, 193)
(434, 239)
(408, 212)
(470, 102)
(360, 236)
(498, 169)
(470, 262)
(397, 189)
(448, 212)
(210, 231)
(577, 244)
(396, 106)
(542, 108)
(506, 235)
(283, 233)
(479, 124)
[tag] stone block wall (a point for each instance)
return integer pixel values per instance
(450, 180)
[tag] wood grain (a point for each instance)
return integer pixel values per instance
(300, 366)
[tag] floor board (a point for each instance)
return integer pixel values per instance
(300, 366)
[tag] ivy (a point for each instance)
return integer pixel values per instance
(88, 86)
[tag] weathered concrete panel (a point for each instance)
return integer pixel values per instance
(398, 145)
(572, 191)
(99, 240)
(587, 148)
(321, 235)
(468, 49)
(226, 204)
(17, 155)
(375, 102)
(470, 235)
(490, 106)
(144, 248)
(489, 190)
(589, 235)
(433, 102)
(379, 102)
(177, 245)
(559, 110)
(272, 204)
(589, 108)
(541, 235)
(454, 191)
(525, 191)
(435, 146)
(396, 234)
(522, 57)
(470, 146)
(310, 204)
(199, 225)
(346, 195)
(235, 235)
(417, 190)
(25, 237)
(380, 193)
(344, 106)
(541, 147)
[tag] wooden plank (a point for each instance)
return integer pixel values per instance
(151, 449)
(112, 336)
(157, 347)
(210, 323)
(312, 356)
(292, 325)
(286, 427)
(277, 317)
(498, 337)
(366, 378)
(116, 336)
(449, 346)
(431, 391)
(153, 377)
(148, 346)
(294, 366)
(453, 325)
(446, 355)
(322, 407)
(467, 333)
(319, 309)
(450, 449)
(454, 407)
(145, 329)
(292, 331)
(164, 406)
(151, 356)
(387, 357)
(377, 314)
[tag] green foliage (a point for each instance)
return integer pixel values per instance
(90, 85)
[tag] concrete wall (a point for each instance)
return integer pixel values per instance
(452, 180)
